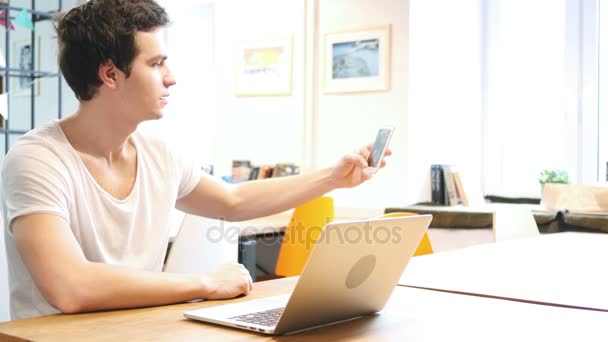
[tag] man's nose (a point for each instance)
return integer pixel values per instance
(169, 78)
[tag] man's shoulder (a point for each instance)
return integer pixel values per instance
(42, 143)
(153, 138)
(154, 142)
(43, 136)
(161, 151)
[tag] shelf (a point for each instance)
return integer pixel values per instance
(29, 103)
(13, 131)
(15, 72)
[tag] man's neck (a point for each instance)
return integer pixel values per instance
(97, 131)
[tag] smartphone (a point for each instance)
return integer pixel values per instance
(377, 153)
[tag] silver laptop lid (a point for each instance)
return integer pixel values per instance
(352, 270)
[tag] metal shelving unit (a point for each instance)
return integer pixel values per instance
(31, 74)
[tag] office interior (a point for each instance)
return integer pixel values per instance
(502, 89)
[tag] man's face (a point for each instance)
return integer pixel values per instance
(146, 90)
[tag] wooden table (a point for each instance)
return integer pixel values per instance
(566, 269)
(410, 315)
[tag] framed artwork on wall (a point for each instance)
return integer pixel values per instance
(22, 60)
(264, 67)
(357, 60)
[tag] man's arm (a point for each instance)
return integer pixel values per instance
(269, 196)
(73, 284)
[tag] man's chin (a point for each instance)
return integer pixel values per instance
(158, 115)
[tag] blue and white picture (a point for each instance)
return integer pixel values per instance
(355, 59)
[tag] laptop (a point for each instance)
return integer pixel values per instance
(351, 272)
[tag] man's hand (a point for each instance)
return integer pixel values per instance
(349, 173)
(227, 281)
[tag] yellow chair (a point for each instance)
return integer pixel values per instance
(301, 234)
(424, 247)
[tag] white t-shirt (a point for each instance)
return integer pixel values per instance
(42, 173)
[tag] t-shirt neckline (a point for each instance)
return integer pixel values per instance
(90, 176)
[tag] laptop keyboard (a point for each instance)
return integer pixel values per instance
(267, 318)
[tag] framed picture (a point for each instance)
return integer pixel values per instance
(357, 60)
(22, 60)
(264, 68)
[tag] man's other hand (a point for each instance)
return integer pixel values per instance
(227, 281)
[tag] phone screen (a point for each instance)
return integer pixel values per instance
(375, 156)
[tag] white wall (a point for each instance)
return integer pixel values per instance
(272, 129)
(445, 121)
(433, 100)
(603, 93)
(347, 121)
(191, 116)
(261, 129)
(532, 102)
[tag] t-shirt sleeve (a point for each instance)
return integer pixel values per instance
(188, 172)
(33, 182)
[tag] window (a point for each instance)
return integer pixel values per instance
(602, 61)
(539, 107)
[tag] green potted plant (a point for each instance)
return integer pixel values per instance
(553, 176)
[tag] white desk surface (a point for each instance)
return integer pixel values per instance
(565, 269)
(440, 316)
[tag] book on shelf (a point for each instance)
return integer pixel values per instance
(265, 172)
(240, 170)
(285, 169)
(462, 195)
(255, 172)
(437, 185)
(450, 188)
(446, 186)
(270, 171)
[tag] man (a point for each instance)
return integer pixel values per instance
(86, 199)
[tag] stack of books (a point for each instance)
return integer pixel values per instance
(446, 186)
(277, 170)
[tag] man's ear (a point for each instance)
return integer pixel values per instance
(108, 74)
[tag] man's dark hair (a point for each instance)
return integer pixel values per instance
(101, 30)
